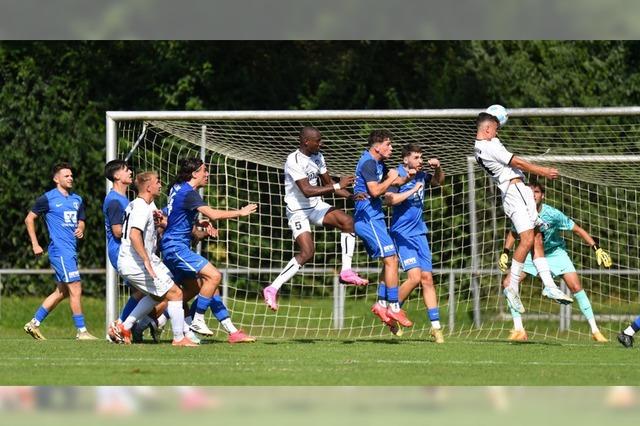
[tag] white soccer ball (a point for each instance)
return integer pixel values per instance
(499, 112)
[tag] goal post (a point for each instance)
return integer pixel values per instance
(596, 150)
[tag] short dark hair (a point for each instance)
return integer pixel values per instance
(186, 167)
(112, 167)
(59, 166)
(306, 131)
(485, 116)
(378, 136)
(411, 147)
(536, 184)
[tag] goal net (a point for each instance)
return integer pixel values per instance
(597, 152)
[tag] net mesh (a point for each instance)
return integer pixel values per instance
(597, 158)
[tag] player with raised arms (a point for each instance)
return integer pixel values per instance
(409, 233)
(559, 262)
(189, 268)
(306, 180)
(373, 180)
(505, 169)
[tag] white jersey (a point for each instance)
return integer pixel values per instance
(299, 166)
(139, 215)
(494, 158)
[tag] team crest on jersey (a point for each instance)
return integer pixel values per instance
(76, 205)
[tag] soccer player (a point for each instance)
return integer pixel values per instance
(558, 260)
(116, 201)
(306, 180)
(183, 205)
(409, 232)
(373, 179)
(626, 336)
(64, 214)
(505, 169)
(142, 268)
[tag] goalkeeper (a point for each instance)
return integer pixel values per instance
(558, 259)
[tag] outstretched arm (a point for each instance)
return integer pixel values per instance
(524, 165)
(214, 214)
(602, 256)
(328, 186)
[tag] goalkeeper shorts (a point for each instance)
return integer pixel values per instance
(558, 260)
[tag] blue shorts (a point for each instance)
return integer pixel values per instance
(558, 260)
(65, 267)
(375, 236)
(414, 252)
(183, 263)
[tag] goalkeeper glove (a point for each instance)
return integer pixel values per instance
(503, 262)
(602, 256)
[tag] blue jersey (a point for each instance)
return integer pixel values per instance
(368, 170)
(182, 210)
(113, 210)
(62, 214)
(407, 216)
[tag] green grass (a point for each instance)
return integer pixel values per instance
(474, 358)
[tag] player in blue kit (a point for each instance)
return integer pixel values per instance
(559, 262)
(188, 267)
(373, 179)
(116, 201)
(65, 218)
(409, 232)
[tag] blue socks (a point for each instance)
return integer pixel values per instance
(202, 304)
(382, 291)
(78, 320)
(41, 314)
(392, 294)
(218, 308)
(434, 314)
(128, 308)
(636, 324)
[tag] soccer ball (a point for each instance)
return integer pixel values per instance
(499, 112)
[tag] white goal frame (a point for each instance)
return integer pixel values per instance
(113, 117)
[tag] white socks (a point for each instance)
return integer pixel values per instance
(516, 270)
(348, 243)
(176, 313)
(228, 326)
(544, 272)
(287, 273)
(144, 306)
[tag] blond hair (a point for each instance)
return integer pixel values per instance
(143, 178)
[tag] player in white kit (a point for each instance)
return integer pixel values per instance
(142, 268)
(306, 181)
(505, 169)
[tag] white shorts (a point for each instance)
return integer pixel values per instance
(299, 219)
(155, 287)
(520, 207)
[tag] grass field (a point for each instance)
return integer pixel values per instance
(463, 360)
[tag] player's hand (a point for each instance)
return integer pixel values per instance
(248, 209)
(602, 257)
(503, 262)
(37, 250)
(159, 219)
(210, 230)
(346, 181)
(434, 163)
(552, 173)
(393, 175)
(418, 187)
(149, 268)
(411, 173)
(78, 233)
